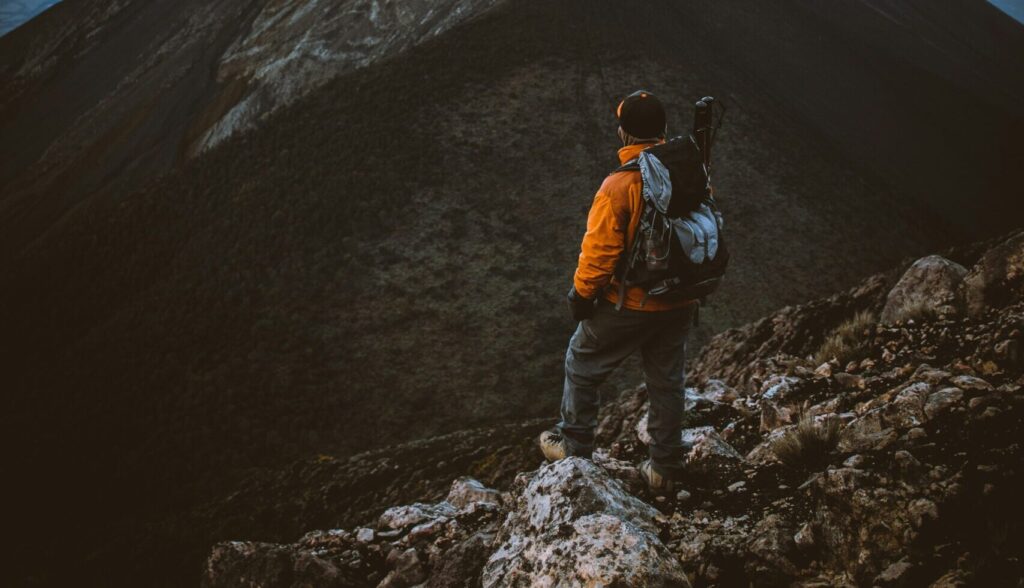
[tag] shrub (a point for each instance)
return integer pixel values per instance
(848, 340)
(807, 446)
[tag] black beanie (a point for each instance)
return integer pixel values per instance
(642, 115)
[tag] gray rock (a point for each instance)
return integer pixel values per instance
(907, 409)
(641, 430)
(866, 432)
(403, 517)
(931, 285)
(971, 384)
(572, 520)
(764, 453)
(364, 535)
(718, 391)
(778, 387)
(710, 454)
(772, 546)
(623, 471)
(466, 491)
(894, 575)
(804, 538)
(407, 571)
(460, 565)
(774, 416)
(940, 401)
(926, 373)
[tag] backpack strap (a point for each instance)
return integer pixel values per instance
(631, 165)
(631, 249)
(629, 254)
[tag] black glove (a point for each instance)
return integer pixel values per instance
(579, 307)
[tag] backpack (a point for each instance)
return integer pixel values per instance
(678, 246)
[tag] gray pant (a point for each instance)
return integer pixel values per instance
(603, 342)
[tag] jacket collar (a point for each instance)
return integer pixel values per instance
(633, 151)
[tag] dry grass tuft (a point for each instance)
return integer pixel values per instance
(918, 310)
(807, 446)
(848, 340)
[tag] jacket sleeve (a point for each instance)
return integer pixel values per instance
(607, 225)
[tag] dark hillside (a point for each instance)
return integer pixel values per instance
(386, 259)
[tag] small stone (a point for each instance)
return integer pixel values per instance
(683, 496)
(364, 535)
(888, 356)
(824, 370)
(804, 538)
(737, 486)
(907, 463)
(990, 412)
(774, 416)
(854, 461)
(916, 433)
(941, 400)
(895, 574)
(971, 383)
(427, 529)
(921, 510)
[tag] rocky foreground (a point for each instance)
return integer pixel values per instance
(868, 439)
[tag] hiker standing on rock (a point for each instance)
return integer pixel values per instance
(608, 332)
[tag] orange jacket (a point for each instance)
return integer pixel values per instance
(611, 226)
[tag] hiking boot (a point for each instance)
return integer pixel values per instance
(656, 483)
(552, 445)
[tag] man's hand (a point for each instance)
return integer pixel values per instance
(579, 307)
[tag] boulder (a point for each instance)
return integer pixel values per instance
(931, 285)
(572, 524)
(998, 277)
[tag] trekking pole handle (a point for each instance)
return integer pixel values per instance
(703, 112)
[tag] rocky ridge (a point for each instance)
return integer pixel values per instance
(292, 48)
(916, 485)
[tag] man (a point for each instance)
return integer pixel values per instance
(656, 325)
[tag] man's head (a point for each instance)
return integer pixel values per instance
(641, 117)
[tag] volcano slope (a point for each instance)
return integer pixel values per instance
(385, 260)
(893, 462)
